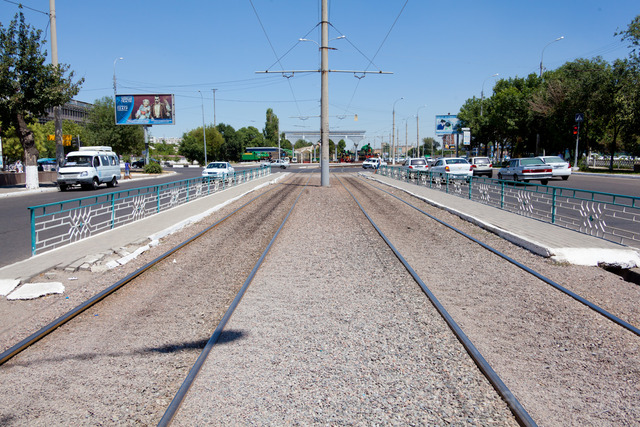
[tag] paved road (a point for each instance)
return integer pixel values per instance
(15, 230)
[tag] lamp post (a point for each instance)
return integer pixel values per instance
(114, 75)
(393, 132)
(541, 68)
(541, 55)
(418, 130)
(482, 92)
(204, 131)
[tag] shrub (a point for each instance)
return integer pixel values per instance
(152, 167)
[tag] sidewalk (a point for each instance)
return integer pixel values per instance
(141, 232)
(545, 239)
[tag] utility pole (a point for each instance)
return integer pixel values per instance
(324, 100)
(214, 107)
(54, 61)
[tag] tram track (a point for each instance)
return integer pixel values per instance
(319, 340)
(542, 343)
(162, 315)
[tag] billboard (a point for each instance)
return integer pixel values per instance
(150, 109)
(446, 124)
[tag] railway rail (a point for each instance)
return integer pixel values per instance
(481, 312)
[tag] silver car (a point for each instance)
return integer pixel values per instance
(526, 169)
(561, 168)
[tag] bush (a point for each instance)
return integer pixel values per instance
(152, 167)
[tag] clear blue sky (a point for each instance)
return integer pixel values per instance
(440, 54)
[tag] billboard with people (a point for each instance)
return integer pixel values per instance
(153, 109)
(446, 124)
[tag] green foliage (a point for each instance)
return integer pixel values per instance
(28, 86)
(152, 167)
(101, 129)
(271, 129)
(520, 109)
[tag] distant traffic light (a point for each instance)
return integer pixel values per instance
(575, 129)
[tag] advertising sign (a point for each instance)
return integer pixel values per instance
(153, 109)
(466, 132)
(446, 124)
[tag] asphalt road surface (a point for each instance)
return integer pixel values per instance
(15, 228)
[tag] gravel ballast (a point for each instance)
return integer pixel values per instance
(332, 330)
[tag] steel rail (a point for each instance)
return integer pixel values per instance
(521, 415)
(592, 306)
(175, 404)
(46, 330)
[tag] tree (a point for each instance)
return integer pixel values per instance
(271, 129)
(28, 86)
(102, 129)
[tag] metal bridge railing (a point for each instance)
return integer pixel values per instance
(612, 217)
(58, 224)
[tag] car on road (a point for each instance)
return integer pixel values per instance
(89, 167)
(414, 165)
(526, 169)
(281, 163)
(373, 163)
(481, 166)
(451, 168)
(218, 170)
(561, 168)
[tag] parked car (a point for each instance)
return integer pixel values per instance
(526, 169)
(481, 166)
(560, 167)
(218, 170)
(451, 168)
(373, 163)
(141, 162)
(415, 165)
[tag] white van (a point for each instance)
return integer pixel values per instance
(89, 167)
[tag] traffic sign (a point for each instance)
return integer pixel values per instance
(579, 117)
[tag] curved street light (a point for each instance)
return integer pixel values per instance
(541, 55)
(393, 131)
(114, 74)
(482, 91)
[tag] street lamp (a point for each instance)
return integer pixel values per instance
(541, 68)
(482, 92)
(114, 74)
(204, 131)
(393, 132)
(418, 130)
(556, 40)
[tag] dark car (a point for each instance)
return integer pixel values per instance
(140, 163)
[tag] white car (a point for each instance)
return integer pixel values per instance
(282, 163)
(373, 163)
(560, 168)
(218, 170)
(451, 168)
(414, 165)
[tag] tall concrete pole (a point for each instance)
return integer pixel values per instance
(324, 102)
(54, 61)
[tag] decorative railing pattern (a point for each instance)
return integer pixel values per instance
(58, 224)
(608, 216)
